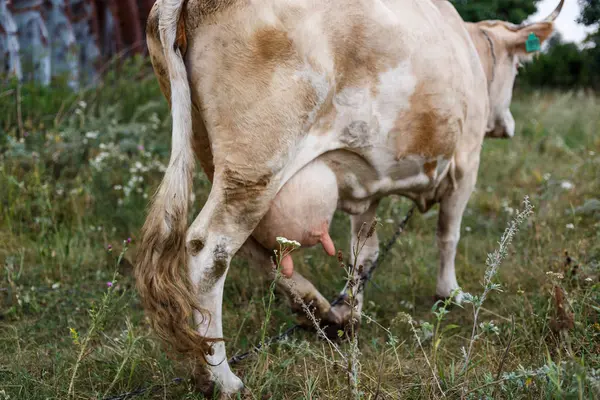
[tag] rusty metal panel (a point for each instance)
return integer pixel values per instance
(33, 40)
(109, 28)
(10, 61)
(82, 13)
(145, 7)
(131, 29)
(63, 45)
(41, 39)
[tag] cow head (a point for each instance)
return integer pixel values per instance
(502, 48)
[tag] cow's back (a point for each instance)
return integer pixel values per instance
(406, 68)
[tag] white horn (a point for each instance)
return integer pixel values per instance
(555, 13)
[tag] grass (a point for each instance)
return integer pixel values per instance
(75, 177)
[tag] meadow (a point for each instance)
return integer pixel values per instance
(76, 174)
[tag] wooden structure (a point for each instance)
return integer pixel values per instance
(44, 39)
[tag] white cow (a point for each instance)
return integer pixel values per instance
(298, 107)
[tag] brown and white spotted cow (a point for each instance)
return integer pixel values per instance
(296, 108)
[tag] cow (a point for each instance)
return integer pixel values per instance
(296, 108)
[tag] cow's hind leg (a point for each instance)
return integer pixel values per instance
(226, 221)
(452, 207)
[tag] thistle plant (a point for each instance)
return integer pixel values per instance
(492, 263)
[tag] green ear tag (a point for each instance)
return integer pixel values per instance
(533, 43)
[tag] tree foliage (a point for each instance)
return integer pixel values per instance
(590, 13)
(563, 65)
(515, 11)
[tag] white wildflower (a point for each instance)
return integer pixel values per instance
(489, 327)
(468, 228)
(570, 226)
(506, 208)
(286, 242)
(55, 285)
(556, 275)
(406, 304)
(547, 176)
(566, 185)
(92, 135)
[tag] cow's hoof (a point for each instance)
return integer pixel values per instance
(341, 332)
(308, 322)
(456, 300)
(225, 387)
(449, 288)
(233, 386)
(341, 323)
(318, 312)
(335, 324)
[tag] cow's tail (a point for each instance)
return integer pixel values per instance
(162, 283)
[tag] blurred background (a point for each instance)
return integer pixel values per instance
(84, 142)
(72, 40)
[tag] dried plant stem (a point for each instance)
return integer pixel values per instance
(505, 355)
(79, 359)
(21, 130)
(316, 324)
(97, 320)
(416, 334)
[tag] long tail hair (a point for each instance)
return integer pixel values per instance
(164, 287)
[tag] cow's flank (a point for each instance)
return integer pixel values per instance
(272, 46)
(302, 106)
(427, 129)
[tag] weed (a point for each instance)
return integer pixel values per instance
(98, 316)
(78, 171)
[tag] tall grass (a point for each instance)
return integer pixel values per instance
(77, 178)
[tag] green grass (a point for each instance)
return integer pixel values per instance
(80, 181)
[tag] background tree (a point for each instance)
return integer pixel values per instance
(590, 13)
(515, 11)
(562, 65)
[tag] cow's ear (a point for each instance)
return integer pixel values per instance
(525, 39)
